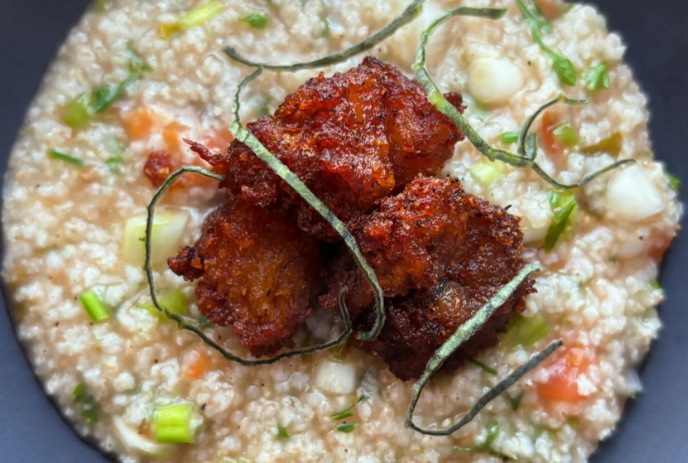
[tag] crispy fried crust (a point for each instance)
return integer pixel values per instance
(353, 139)
(158, 167)
(440, 254)
(257, 273)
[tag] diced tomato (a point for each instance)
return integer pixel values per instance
(552, 9)
(562, 381)
(552, 145)
(171, 135)
(139, 123)
(200, 363)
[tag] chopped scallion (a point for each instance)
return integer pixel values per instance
(565, 134)
(347, 412)
(525, 331)
(257, 20)
(509, 137)
(484, 367)
(564, 205)
(94, 306)
(175, 302)
(673, 181)
(486, 174)
(194, 18)
(347, 427)
(597, 78)
(78, 113)
(173, 423)
(282, 433)
(654, 284)
(88, 407)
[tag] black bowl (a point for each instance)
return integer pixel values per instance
(654, 426)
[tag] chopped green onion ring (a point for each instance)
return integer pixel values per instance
(408, 15)
(527, 143)
(173, 424)
(192, 325)
(347, 427)
(246, 137)
(256, 20)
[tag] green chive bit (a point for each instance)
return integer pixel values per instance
(175, 302)
(282, 433)
(673, 181)
(87, 405)
(509, 137)
(525, 331)
(78, 113)
(565, 134)
(201, 15)
(597, 78)
(113, 163)
(562, 66)
(347, 412)
(654, 284)
(173, 424)
(482, 366)
(347, 427)
(60, 156)
(257, 20)
(564, 205)
(515, 401)
(94, 306)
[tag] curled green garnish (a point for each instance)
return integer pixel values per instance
(460, 336)
(278, 167)
(60, 156)
(561, 65)
(408, 15)
(192, 325)
(527, 142)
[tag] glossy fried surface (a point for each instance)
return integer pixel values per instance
(158, 167)
(440, 254)
(256, 271)
(353, 139)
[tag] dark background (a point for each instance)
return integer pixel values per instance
(655, 426)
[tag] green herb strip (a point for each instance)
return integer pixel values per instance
(561, 65)
(462, 334)
(347, 412)
(246, 137)
(190, 324)
(408, 15)
(60, 156)
(527, 143)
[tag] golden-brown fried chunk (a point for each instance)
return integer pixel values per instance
(440, 254)
(353, 138)
(257, 272)
(158, 167)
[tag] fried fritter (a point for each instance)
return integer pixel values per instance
(440, 254)
(256, 271)
(353, 138)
